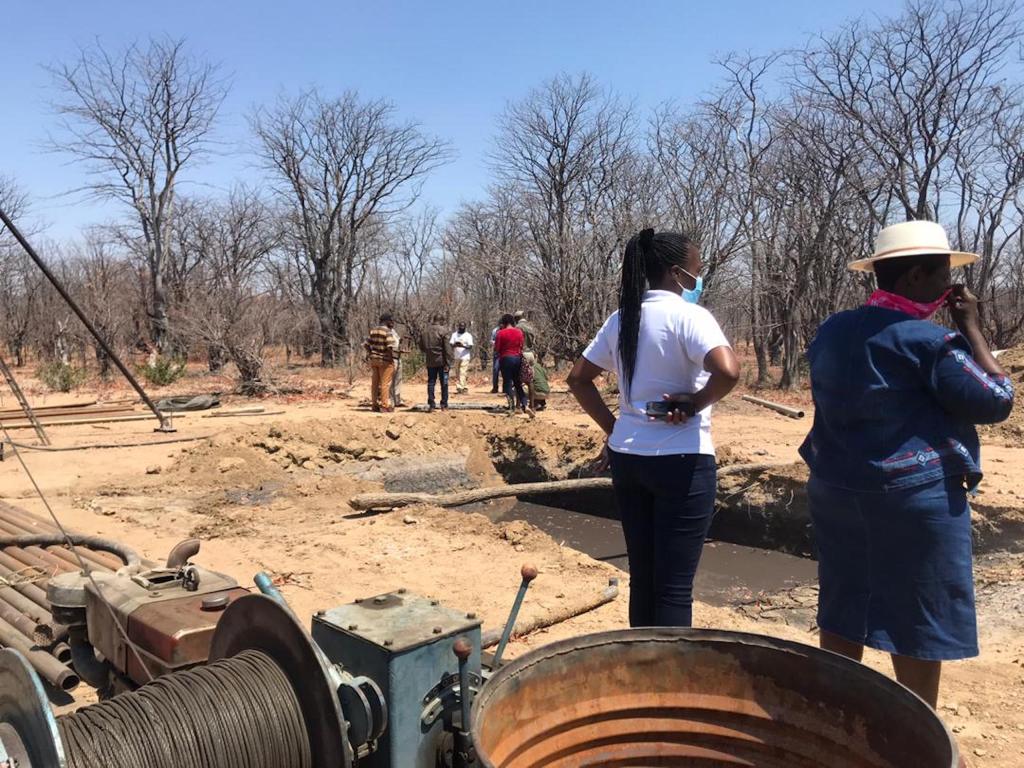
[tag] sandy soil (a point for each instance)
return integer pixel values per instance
(1011, 431)
(270, 493)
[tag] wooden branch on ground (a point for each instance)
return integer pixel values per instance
(253, 411)
(385, 501)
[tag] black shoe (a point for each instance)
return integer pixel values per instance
(494, 391)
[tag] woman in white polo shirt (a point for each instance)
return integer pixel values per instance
(666, 349)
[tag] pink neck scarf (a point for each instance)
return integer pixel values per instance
(916, 309)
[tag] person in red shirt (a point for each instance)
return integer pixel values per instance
(508, 347)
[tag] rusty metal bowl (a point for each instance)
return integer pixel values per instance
(690, 697)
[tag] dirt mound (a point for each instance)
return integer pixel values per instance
(525, 452)
(1011, 431)
(1013, 360)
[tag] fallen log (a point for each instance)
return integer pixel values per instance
(248, 411)
(227, 414)
(785, 410)
(385, 501)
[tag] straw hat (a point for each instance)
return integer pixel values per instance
(912, 238)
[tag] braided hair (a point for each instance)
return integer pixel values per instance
(648, 256)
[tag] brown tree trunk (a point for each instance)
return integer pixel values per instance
(328, 333)
(250, 372)
(159, 324)
(792, 353)
(215, 358)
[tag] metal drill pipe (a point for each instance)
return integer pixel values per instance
(56, 544)
(52, 559)
(50, 562)
(25, 522)
(165, 424)
(61, 652)
(19, 621)
(28, 568)
(96, 558)
(31, 620)
(529, 573)
(24, 606)
(52, 638)
(51, 670)
(11, 568)
(38, 558)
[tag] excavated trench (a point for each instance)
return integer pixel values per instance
(761, 540)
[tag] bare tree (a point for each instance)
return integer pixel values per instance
(746, 114)
(20, 279)
(699, 182)
(231, 308)
(487, 242)
(917, 91)
(404, 280)
(566, 149)
(103, 285)
(135, 119)
(340, 166)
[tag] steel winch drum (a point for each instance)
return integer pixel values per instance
(688, 697)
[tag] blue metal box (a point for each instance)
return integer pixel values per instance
(403, 642)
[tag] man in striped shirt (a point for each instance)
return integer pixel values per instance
(382, 351)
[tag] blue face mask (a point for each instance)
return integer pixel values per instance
(692, 295)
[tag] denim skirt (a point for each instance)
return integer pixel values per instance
(895, 568)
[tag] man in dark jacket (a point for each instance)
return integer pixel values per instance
(438, 358)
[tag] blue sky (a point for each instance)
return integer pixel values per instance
(450, 65)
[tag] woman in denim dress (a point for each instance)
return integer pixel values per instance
(893, 454)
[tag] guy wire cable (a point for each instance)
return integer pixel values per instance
(81, 562)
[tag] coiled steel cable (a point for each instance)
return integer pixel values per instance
(240, 712)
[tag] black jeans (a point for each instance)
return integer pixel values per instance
(494, 371)
(666, 504)
(433, 374)
(511, 366)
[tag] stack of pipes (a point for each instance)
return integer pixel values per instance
(26, 623)
(88, 412)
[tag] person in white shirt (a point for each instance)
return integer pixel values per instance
(669, 355)
(462, 343)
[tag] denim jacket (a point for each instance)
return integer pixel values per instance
(896, 400)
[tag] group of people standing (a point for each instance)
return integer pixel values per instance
(524, 380)
(446, 354)
(893, 451)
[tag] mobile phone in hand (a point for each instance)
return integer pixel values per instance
(660, 409)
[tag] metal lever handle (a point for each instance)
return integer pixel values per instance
(529, 573)
(464, 756)
(463, 650)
